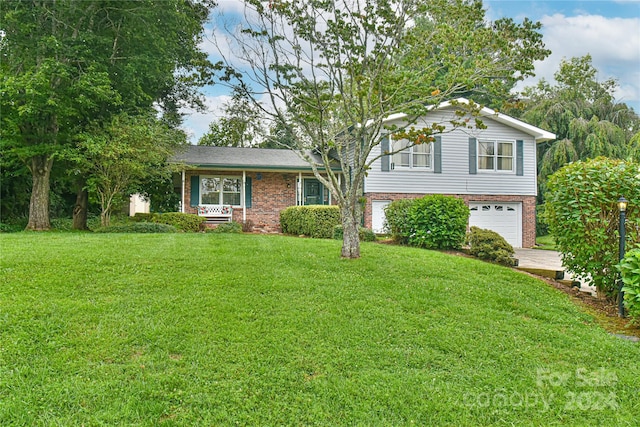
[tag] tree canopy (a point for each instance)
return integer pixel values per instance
(240, 126)
(68, 64)
(332, 72)
(120, 155)
(503, 47)
(584, 115)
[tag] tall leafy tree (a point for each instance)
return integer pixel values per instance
(240, 125)
(584, 115)
(331, 72)
(509, 49)
(121, 155)
(68, 64)
(633, 148)
(279, 137)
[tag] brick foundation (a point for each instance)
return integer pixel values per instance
(528, 209)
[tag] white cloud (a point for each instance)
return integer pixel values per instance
(230, 6)
(605, 38)
(227, 16)
(613, 43)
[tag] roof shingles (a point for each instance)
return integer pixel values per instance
(241, 158)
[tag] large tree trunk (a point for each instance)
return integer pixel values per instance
(350, 237)
(39, 204)
(80, 208)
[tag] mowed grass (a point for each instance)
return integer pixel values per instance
(206, 329)
(547, 242)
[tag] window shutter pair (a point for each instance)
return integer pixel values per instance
(473, 157)
(437, 154)
(195, 191)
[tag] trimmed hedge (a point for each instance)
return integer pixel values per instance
(364, 234)
(490, 246)
(432, 222)
(438, 222)
(226, 227)
(583, 217)
(138, 227)
(182, 221)
(397, 220)
(315, 221)
(630, 272)
(143, 217)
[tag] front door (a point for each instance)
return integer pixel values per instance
(314, 193)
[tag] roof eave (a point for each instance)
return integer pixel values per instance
(254, 168)
(540, 135)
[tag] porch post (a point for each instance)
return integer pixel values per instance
(183, 190)
(244, 196)
(299, 190)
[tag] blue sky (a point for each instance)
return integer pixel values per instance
(607, 30)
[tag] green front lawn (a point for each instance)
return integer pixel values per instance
(212, 329)
(547, 242)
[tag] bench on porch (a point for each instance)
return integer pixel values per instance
(215, 214)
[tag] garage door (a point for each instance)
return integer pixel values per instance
(503, 218)
(377, 215)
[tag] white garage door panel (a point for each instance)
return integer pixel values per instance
(377, 215)
(503, 218)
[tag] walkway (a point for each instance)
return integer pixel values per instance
(546, 260)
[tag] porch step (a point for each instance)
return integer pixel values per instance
(552, 274)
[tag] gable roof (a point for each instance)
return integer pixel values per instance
(199, 156)
(540, 135)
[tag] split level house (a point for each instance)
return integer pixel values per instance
(493, 170)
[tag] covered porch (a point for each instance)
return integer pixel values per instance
(248, 196)
(247, 185)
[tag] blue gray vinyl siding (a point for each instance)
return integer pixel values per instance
(458, 173)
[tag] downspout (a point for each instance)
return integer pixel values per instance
(183, 190)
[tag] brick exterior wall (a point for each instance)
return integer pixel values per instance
(528, 209)
(270, 194)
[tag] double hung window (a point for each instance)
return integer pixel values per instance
(412, 157)
(220, 190)
(497, 156)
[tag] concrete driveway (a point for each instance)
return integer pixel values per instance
(538, 258)
(546, 260)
